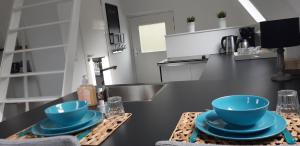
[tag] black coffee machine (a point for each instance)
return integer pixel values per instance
(248, 33)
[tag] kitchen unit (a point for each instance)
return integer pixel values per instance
(155, 120)
(166, 83)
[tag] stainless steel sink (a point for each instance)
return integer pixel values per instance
(135, 92)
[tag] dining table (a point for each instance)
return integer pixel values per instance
(155, 119)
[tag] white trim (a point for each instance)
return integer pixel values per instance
(24, 64)
(7, 60)
(39, 25)
(32, 74)
(148, 13)
(38, 49)
(29, 99)
(71, 49)
(202, 31)
(36, 4)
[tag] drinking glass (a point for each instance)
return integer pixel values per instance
(115, 106)
(287, 102)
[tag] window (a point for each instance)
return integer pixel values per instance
(152, 37)
(257, 16)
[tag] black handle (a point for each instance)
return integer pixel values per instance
(222, 43)
(105, 69)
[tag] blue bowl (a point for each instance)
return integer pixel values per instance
(67, 113)
(241, 110)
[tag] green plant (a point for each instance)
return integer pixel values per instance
(221, 14)
(190, 19)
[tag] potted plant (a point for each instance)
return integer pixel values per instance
(222, 19)
(191, 23)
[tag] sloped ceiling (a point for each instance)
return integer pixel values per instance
(296, 5)
(5, 7)
(278, 9)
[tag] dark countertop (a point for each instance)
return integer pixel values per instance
(155, 120)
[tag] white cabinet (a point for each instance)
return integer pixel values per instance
(196, 70)
(183, 71)
(176, 72)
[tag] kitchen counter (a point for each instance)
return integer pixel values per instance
(155, 120)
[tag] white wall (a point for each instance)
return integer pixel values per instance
(294, 53)
(93, 42)
(204, 10)
(125, 73)
(80, 65)
(5, 7)
(295, 4)
(275, 9)
(92, 28)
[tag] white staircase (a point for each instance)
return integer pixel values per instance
(9, 51)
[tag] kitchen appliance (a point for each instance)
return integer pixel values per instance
(243, 43)
(229, 44)
(248, 34)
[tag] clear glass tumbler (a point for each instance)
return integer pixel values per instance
(287, 102)
(115, 106)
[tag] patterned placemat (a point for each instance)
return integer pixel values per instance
(186, 125)
(91, 137)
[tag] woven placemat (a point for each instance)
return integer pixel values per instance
(186, 125)
(97, 135)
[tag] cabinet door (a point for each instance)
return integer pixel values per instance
(175, 72)
(196, 70)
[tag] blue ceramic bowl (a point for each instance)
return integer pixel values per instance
(241, 110)
(67, 113)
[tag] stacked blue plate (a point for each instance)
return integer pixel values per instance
(240, 117)
(67, 118)
(270, 125)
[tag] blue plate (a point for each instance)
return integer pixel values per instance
(37, 130)
(214, 121)
(278, 126)
(48, 125)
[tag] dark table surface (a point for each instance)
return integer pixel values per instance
(155, 120)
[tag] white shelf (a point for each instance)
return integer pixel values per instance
(40, 25)
(208, 30)
(29, 99)
(37, 49)
(33, 74)
(37, 4)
